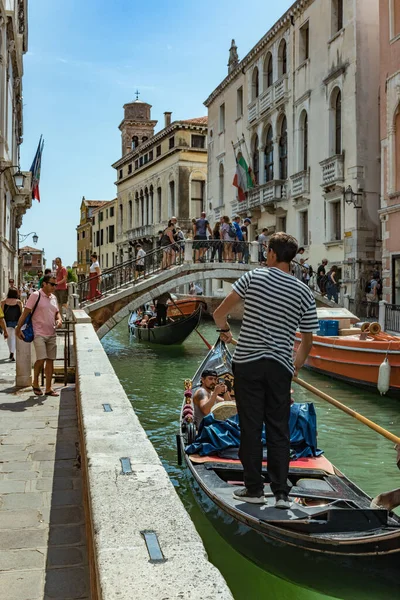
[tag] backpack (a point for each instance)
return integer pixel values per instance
(368, 287)
(232, 231)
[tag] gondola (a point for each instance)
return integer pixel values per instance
(330, 539)
(175, 332)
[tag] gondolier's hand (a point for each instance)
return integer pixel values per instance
(226, 336)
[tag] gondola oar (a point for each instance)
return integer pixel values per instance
(196, 330)
(349, 411)
(346, 409)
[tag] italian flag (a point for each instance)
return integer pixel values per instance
(242, 180)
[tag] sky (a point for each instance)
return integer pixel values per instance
(86, 59)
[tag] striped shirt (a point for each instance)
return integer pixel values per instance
(276, 304)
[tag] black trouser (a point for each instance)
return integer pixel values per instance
(161, 314)
(262, 390)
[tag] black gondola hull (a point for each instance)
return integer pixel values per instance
(173, 333)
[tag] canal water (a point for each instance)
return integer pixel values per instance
(153, 376)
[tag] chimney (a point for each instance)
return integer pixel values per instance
(167, 117)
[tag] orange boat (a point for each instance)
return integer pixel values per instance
(186, 306)
(355, 360)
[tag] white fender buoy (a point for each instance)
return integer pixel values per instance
(384, 377)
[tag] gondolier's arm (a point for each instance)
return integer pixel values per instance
(303, 351)
(221, 313)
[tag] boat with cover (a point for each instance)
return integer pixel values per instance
(330, 539)
(355, 355)
(174, 332)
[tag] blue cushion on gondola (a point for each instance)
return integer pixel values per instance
(216, 436)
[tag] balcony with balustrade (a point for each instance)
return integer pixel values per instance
(332, 171)
(141, 232)
(219, 212)
(300, 183)
(267, 194)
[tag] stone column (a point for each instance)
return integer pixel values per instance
(23, 364)
(188, 251)
(346, 301)
(253, 252)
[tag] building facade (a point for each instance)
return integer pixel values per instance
(159, 176)
(302, 107)
(31, 262)
(84, 236)
(389, 19)
(104, 243)
(14, 200)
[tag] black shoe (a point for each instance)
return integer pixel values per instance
(282, 501)
(11, 357)
(246, 496)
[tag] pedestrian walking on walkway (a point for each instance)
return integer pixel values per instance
(61, 291)
(331, 285)
(94, 278)
(45, 319)
(12, 309)
(139, 262)
(275, 305)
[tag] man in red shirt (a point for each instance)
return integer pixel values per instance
(45, 319)
(62, 286)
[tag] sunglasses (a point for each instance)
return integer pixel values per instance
(50, 283)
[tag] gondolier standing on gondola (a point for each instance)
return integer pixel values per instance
(275, 305)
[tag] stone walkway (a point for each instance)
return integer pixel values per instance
(43, 551)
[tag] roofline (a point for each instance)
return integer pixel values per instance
(158, 137)
(102, 206)
(284, 20)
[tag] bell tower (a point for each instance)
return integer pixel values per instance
(137, 126)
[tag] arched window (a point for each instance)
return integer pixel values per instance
(146, 206)
(283, 150)
(256, 160)
(268, 71)
(137, 210)
(221, 175)
(135, 142)
(269, 156)
(282, 58)
(338, 123)
(144, 138)
(396, 158)
(255, 88)
(141, 208)
(151, 205)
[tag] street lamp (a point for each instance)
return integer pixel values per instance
(19, 177)
(35, 237)
(349, 196)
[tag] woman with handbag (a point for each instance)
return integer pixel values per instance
(94, 278)
(12, 309)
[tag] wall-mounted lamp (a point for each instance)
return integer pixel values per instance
(350, 196)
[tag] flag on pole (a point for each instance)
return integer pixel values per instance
(242, 180)
(35, 170)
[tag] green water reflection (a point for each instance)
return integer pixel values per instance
(152, 377)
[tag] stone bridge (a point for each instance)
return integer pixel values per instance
(109, 311)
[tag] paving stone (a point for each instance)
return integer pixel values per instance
(11, 487)
(59, 557)
(11, 467)
(66, 515)
(43, 455)
(21, 585)
(65, 583)
(19, 519)
(67, 497)
(22, 475)
(27, 500)
(23, 559)
(23, 538)
(63, 535)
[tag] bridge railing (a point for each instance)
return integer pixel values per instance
(190, 251)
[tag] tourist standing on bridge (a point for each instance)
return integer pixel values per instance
(245, 232)
(94, 278)
(61, 290)
(167, 244)
(45, 319)
(275, 305)
(201, 244)
(263, 246)
(228, 235)
(321, 276)
(139, 263)
(238, 246)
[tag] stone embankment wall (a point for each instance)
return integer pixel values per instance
(119, 508)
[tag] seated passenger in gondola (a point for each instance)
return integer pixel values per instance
(210, 393)
(389, 500)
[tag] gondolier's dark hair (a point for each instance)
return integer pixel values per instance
(209, 373)
(284, 246)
